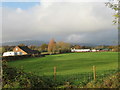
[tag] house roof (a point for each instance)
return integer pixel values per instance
(103, 49)
(28, 50)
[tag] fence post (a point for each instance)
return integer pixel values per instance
(55, 73)
(94, 73)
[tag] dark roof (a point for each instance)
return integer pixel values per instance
(103, 49)
(28, 50)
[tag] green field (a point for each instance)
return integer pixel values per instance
(68, 64)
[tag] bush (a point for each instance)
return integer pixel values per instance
(14, 78)
(111, 81)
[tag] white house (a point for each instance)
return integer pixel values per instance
(12, 53)
(93, 50)
(83, 50)
(80, 50)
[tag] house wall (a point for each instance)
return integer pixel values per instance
(80, 50)
(9, 53)
(17, 49)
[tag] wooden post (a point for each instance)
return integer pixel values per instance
(94, 73)
(0, 71)
(54, 73)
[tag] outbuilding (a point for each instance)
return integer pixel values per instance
(9, 53)
(80, 50)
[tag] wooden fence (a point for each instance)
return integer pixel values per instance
(94, 73)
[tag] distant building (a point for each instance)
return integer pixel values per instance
(103, 49)
(9, 53)
(84, 50)
(94, 50)
(80, 50)
(12, 53)
(25, 50)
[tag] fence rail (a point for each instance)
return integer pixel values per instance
(84, 77)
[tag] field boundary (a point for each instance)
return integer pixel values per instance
(19, 57)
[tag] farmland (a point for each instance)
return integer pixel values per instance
(68, 64)
(75, 68)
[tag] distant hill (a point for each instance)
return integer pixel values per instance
(91, 44)
(27, 42)
(38, 43)
(84, 44)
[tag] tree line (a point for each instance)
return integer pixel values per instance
(58, 47)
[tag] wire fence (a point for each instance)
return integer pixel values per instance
(82, 78)
(11, 75)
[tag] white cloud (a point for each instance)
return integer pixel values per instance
(57, 19)
(19, 10)
(75, 38)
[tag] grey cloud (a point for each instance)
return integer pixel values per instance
(106, 37)
(61, 20)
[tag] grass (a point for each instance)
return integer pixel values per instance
(72, 68)
(68, 64)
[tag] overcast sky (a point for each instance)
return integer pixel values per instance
(83, 22)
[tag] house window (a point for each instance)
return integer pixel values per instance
(16, 49)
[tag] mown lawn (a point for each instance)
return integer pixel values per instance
(68, 64)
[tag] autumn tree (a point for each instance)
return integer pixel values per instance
(63, 47)
(44, 47)
(100, 47)
(33, 47)
(77, 47)
(52, 46)
(2, 50)
(115, 48)
(21, 44)
(110, 47)
(7, 48)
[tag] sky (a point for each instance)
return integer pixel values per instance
(22, 5)
(74, 22)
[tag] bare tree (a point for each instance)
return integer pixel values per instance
(52, 46)
(63, 47)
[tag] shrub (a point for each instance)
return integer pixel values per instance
(14, 78)
(111, 81)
